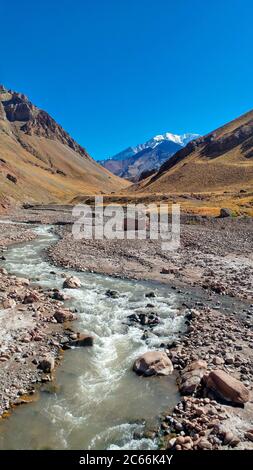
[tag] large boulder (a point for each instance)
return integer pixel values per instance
(153, 363)
(191, 377)
(226, 387)
(62, 316)
(72, 282)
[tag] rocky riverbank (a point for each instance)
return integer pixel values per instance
(32, 334)
(215, 258)
(215, 255)
(214, 361)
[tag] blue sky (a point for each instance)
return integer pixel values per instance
(114, 73)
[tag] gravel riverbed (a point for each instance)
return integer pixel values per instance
(216, 260)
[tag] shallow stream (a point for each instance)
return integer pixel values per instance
(97, 401)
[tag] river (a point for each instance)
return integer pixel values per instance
(96, 400)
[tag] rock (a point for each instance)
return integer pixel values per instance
(150, 295)
(218, 361)
(62, 316)
(82, 340)
(171, 443)
(229, 359)
(72, 282)
(204, 444)
(57, 295)
(180, 440)
(249, 434)
(22, 281)
(113, 294)
(149, 319)
(235, 442)
(30, 298)
(153, 363)
(46, 364)
(224, 212)
(9, 303)
(228, 437)
(12, 178)
(191, 377)
(227, 387)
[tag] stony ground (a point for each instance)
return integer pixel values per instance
(31, 339)
(10, 234)
(215, 259)
(203, 420)
(216, 255)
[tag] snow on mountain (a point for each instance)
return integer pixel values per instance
(133, 161)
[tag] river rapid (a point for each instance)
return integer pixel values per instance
(96, 401)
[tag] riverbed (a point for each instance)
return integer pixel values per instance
(95, 401)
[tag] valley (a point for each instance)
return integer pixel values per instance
(156, 345)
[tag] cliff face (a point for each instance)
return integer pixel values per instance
(40, 161)
(34, 121)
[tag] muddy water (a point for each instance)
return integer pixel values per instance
(97, 401)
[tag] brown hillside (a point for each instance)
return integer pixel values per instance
(39, 161)
(221, 160)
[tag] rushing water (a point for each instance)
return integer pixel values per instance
(98, 401)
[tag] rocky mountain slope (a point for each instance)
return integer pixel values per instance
(221, 160)
(134, 163)
(39, 160)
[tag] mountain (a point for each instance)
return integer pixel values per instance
(39, 160)
(221, 160)
(133, 162)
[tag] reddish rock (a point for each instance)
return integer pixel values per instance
(31, 298)
(226, 387)
(191, 377)
(62, 316)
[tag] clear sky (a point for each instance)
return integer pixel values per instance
(114, 73)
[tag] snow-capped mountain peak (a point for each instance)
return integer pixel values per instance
(177, 139)
(132, 162)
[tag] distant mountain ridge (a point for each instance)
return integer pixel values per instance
(40, 161)
(132, 162)
(221, 160)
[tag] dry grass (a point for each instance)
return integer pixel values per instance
(54, 173)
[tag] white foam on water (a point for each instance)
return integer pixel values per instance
(99, 391)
